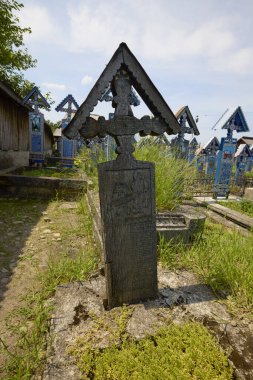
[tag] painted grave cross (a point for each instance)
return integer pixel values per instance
(126, 186)
(188, 125)
(192, 147)
(36, 124)
(242, 159)
(210, 150)
(67, 148)
(232, 120)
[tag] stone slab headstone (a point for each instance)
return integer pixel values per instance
(127, 201)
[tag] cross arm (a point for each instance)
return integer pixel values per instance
(121, 126)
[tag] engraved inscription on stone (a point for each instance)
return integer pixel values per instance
(128, 214)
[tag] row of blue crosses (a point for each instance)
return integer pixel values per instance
(234, 122)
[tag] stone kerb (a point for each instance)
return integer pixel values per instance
(248, 194)
(40, 187)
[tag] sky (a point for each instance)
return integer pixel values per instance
(197, 53)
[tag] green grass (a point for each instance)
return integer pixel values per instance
(61, 173)
(248, 174)
(87, 160)
(30, 323)
(223, 259)
(185, 352)
(244, 206)
(172, 175)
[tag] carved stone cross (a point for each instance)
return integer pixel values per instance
(126, 186)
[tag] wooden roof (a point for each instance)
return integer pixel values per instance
(7, 91)
(231, 113)
(123, 58)
(243, 149)
(68, 98)
(42, 100)
(212, 142)
(189, 118)
(245, 140)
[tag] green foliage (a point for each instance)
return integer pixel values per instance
(223, 258)
(14, 58)
(182, 352)
(87, 160)
(245, 206)
(29, 324)
(172, 175)
(248, 174)
(51, 124)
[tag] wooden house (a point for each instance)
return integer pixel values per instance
(48, 139)
(14, 131)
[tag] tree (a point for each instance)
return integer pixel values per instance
(14, 57)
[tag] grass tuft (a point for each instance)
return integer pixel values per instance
(223, 258)
(244, 206)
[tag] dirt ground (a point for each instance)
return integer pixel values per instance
(31, 231)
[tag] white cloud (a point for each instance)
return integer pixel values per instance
(237, 62)
(40, 21)
(54, 86)
(157, 31)
(87, 79)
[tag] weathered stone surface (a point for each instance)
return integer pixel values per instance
(127, 203)
(40, 187)
(182, 226)
(180, 298)
(248, 194)
(235, 216)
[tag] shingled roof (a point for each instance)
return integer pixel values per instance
(123, 58)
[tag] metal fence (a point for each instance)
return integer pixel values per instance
(204, 186)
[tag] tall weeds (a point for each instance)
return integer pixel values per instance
(172, 175)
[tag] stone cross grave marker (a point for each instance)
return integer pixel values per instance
(126, 186)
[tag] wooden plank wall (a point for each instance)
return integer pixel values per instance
(47, 141)
(14, 125)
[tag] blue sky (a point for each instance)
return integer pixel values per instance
(197, 53)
